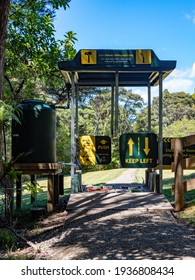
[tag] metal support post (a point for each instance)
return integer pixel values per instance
(149, 108)
(116, 101)
(160, 143)
(112, 112)
(72, 131)
(77, 111)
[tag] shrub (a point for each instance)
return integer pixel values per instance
(7, 238)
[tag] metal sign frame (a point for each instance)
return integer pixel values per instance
(139, 150)
(115, 68)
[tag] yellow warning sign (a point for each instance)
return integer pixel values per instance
(88, 57)
(143, 57)
(87, 150)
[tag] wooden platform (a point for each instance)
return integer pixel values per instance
(54, 185)
(39, 168)
(119, 200)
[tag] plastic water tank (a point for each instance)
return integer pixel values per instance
(34, 138)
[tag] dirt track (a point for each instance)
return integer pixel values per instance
(111, 234)
(99, 234)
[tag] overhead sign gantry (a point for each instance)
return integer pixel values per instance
(115, 68)
(98, 67)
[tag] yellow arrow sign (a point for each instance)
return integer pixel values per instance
(130, 143)
(146, 150)
(103, 142)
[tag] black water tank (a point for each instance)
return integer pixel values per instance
(34, 138)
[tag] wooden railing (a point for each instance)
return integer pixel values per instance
(179, 187)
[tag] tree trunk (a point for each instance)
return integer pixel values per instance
(4, 9)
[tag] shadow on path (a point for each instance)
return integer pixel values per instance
(123, 234)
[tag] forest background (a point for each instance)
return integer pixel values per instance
(31, 72)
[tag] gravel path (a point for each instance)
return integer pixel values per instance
(112, 235)
(109, 234)
(120, 234)
(126, 178)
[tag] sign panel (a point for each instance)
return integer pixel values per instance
(88, 57)
(138, 150)
(87, 150)
(143, 57)
(94, 150)
(103, 149)
(168, 154)
(122, 58)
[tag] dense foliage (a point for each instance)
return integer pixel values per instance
(28, 64)
(177, 107)
(32, 51)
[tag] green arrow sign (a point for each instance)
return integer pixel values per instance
(138, 150)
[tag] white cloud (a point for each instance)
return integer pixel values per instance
(178, 80)
(143, 92)
(181, 80)
(192, 74)
(187, 73)
(190, 16)
(178, 84)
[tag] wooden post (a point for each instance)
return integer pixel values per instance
(50, 193)
(56, 189)
(18, 191)
(178, 168)
(147, 174)
(61, 184)
(33, 180)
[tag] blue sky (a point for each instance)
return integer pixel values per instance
(167, 27)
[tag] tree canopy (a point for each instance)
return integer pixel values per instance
(176, 107)
(31, 71)
(29, 61)
(32, 51)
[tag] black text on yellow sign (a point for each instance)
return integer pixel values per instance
(88, 57)
(143, 57)
(138, 150)
(94, 150)
(87, 150)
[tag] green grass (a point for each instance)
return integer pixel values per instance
(97, 177)
(101, 177)
(186, 215)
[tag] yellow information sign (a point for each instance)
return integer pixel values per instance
(88, 57)
(143, 57)
(94, 150)
(87, 150)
